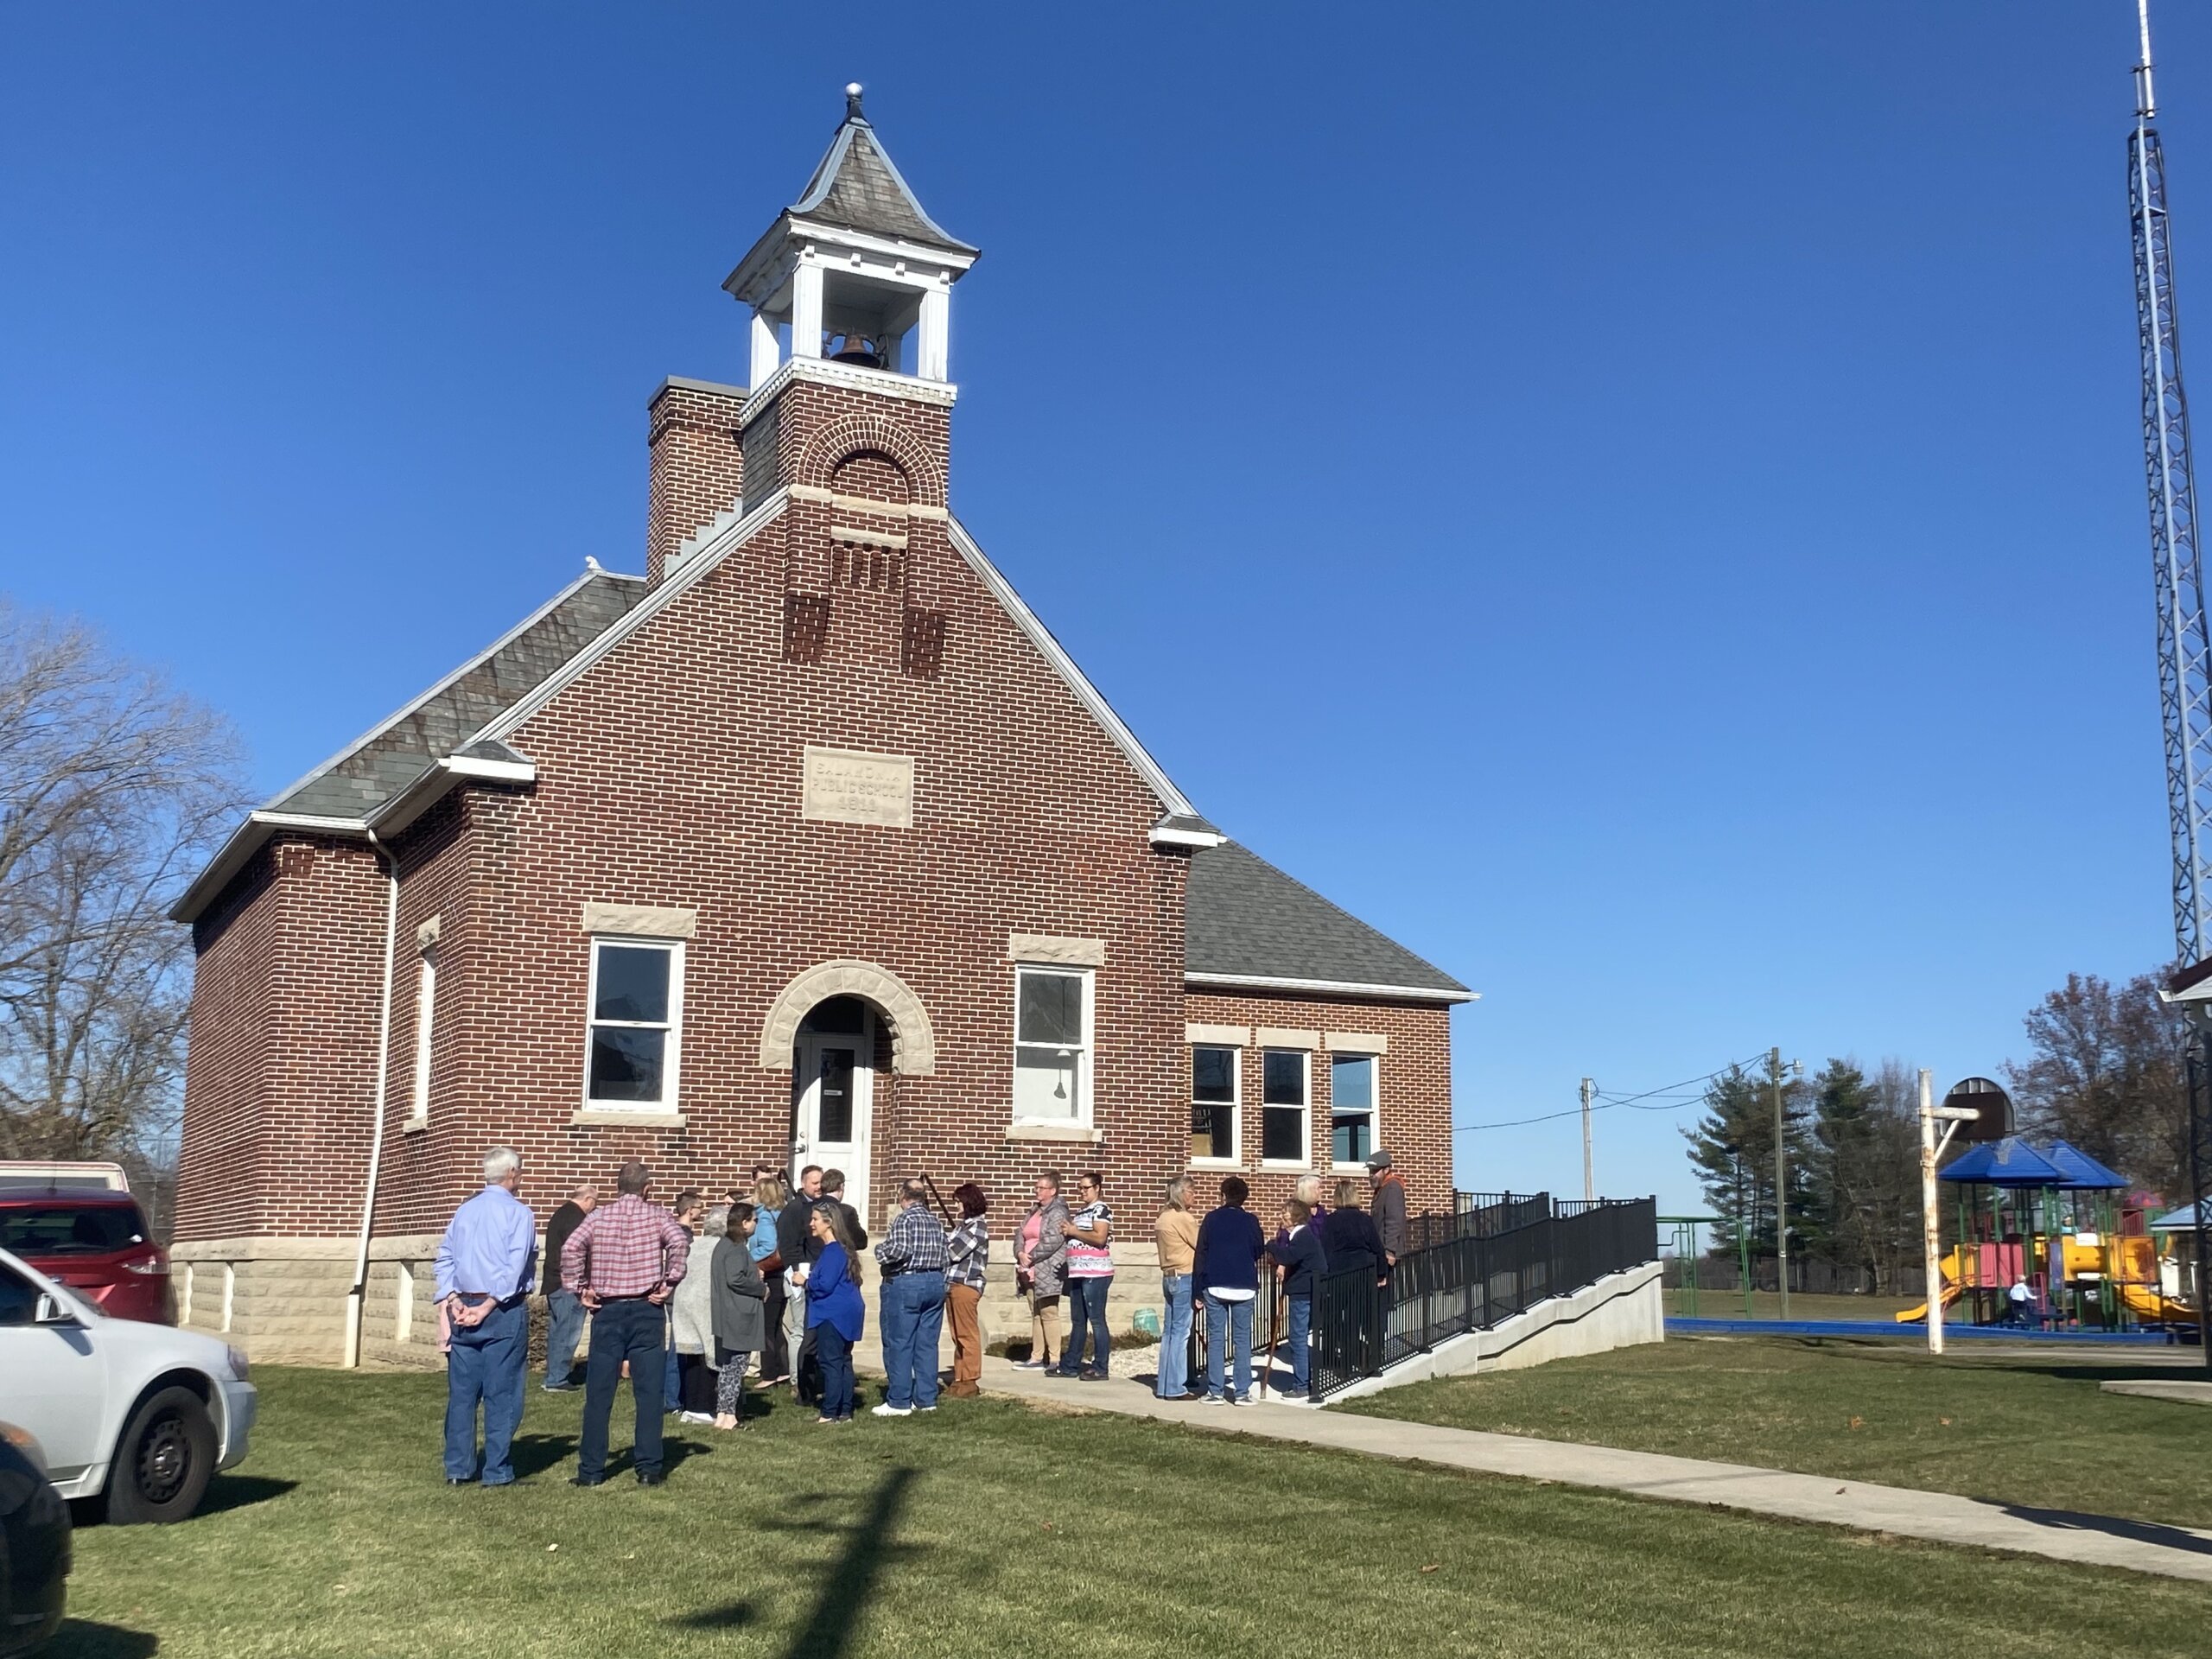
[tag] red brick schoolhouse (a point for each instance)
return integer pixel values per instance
(808, 844)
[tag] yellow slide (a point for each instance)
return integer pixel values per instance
(2148, 1305)
(1916, 1315)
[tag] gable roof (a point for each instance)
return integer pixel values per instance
(440, 732)
(2083, 1171)
(377, 766)
(855, 185)
(1247, 924)
(2009, 1162)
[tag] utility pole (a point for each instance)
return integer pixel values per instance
(1931, 1242)
(1589, 1169)
(1780, 1185)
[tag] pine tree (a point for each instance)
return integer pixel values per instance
(1865, 1198)
(1732, 1148)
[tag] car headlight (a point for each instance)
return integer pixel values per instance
(237, 1362)
(25, 1442)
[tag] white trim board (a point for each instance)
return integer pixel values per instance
(1327, 988)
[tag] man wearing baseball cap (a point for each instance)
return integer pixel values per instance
(1389, 1207)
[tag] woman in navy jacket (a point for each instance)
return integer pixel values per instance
(835, 1312)
(1225, 1277)
(1300, 1260)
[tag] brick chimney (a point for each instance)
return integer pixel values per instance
(697, 472)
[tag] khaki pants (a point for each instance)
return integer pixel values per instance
(961, 1305)
(1044, 1328)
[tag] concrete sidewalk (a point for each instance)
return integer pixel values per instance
(2099, 1540)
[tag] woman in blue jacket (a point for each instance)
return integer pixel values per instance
(835, 1311)
(1225, 1277)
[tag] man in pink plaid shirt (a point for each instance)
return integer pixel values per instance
(623, 1260)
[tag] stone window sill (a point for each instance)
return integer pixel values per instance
(617, 1116)
(1215, 1163)
(1078, 1134)
(414, 1126)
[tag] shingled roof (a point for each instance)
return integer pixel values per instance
(375, 768)
(856, 187)
(1245, 920)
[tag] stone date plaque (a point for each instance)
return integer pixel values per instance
(854, 786)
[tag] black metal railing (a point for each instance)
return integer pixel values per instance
(1486, 1264)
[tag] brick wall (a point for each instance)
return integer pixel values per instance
(696, 471)
(1414, 1092)
(280, 1075)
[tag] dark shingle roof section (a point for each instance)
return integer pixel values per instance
(856, 187)
(1246, 917)
(381, 765)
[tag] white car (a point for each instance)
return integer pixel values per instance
(144, 1415)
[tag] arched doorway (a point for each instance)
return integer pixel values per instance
(829, 1027)
(833, 1093)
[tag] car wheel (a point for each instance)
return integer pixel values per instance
(163, 1461)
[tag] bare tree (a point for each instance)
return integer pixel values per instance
(2108, 1074)
(114, 789)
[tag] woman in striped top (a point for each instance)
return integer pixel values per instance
(1091, 1276)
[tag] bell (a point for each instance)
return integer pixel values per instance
(857, 349)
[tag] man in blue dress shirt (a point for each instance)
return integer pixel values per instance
(485, 1269)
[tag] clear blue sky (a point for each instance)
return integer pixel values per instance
(1642, 503)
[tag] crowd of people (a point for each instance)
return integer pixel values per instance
(684, 1301)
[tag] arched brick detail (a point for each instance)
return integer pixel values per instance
(853, 433)
(913, 1042)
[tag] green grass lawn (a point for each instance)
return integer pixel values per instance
(2020, 1428)
(1766, 1305)
(990, 1527)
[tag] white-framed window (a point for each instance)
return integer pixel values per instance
(1215, 1080)
(1284, 1092)
(1051, 1045)
(1354, 1099)
(426, 1008)
(636, 1022)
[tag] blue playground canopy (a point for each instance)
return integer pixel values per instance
(2009, 1162)
(2179, 1221)
(2082, 1170)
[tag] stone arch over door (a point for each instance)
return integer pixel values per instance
(913, 1042)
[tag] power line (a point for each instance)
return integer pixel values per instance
(1605, 1102)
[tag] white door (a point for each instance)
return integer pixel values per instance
(51, 1379)
(833, 1080)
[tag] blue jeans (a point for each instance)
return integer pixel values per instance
(487, 1366)
(1299, 1336)
(634, 1331)
(1222, 1319)
(836, 1355)
(568, 1310)
(1175, 1336)
(913, 1321)
(1086, 1311)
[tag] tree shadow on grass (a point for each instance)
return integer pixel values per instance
(2140, 1532)
(81, 1638)
(828, 1628)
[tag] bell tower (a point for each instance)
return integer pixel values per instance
(849, 294)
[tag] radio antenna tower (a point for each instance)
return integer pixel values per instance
(2184, 652)
(2184, 660)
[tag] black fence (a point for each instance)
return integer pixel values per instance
(1483, 1264)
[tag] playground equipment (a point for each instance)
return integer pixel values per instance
(2052, 1219)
